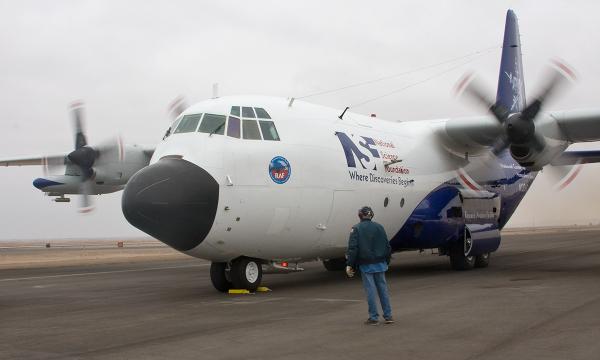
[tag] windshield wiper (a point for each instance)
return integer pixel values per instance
(217, 128)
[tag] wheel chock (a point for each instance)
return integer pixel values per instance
(263, 289)
(239, 291)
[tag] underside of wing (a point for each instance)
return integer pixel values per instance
(577, 157)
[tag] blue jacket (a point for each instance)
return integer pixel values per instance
(368, 244)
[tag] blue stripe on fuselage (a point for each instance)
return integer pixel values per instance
(429, 226)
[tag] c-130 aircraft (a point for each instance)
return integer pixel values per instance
(257, 184)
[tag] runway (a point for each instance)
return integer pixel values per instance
(539, 299)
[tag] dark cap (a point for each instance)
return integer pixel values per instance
(365, 212)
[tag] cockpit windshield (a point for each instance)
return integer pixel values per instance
(213, 124)
(189, 123)
(244, 122)
(268, 129)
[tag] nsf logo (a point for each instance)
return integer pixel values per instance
(280, 169)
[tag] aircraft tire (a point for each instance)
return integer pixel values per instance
(218, 276)
(246, 273)
(459, 253)
(483, 260)
(338, 264)
(460, 262)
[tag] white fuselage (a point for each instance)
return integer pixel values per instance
(310, 215)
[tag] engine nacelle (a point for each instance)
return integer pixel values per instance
(535, 156)
(118, 172)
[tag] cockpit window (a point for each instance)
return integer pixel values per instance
(262, 113)
(250, 130)
(213, 124)
(173, 126)
(248, 112)
(268, 130)
(176, 122)
(233, 127)
(189, 123)
(235, 111)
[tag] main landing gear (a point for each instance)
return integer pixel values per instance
(460, 257)
(240, 273)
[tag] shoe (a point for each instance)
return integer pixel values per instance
(371, 322)
(389, 320)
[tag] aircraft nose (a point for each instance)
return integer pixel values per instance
(172, 200)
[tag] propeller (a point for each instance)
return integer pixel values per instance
(86, 157)
(177, 106)
(518, 128)
(562, 176)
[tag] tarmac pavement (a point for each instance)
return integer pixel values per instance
(539, 299)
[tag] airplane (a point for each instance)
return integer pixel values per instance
(260, 184)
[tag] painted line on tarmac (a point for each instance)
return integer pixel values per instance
(102, 272)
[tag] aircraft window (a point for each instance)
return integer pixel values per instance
(233, 127)
(235, 110)
(213, 124)
(176, 122)
(269, 131)
(250, 130)
(248, 112)
(262, 113)
(189, 123)
(174, 126)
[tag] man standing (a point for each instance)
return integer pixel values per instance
(370, 251)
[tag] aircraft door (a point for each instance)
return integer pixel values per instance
(342, 217)
(310, 217)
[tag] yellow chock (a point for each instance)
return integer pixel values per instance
(239, 291)
(263, 289)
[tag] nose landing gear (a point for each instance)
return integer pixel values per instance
(241, 273)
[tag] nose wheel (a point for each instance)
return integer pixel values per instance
(241, 273)
(219, 276)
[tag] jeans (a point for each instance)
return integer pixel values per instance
(374, 283)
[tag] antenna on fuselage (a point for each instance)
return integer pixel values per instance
(215, 90)
(343, 112)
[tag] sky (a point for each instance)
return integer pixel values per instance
(128, 59)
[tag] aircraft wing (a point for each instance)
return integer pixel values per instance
(577, 157)
(40, 160)
(578, 125)
(574, 126)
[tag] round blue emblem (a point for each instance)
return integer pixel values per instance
(280, 169)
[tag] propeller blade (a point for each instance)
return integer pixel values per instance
(468, 85)
(78, 124)
(559, 75)
(110, 151)
(562, 176)
(53, 164)
(177, 106)
(500, 145)
(87, 204)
